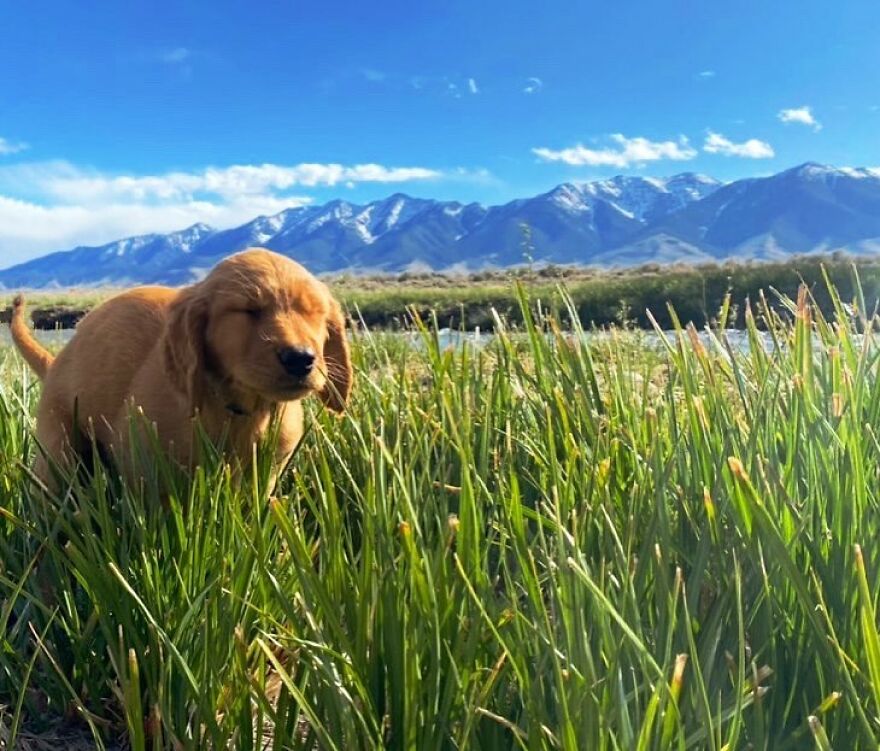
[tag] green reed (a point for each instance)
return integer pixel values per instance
(561, 539)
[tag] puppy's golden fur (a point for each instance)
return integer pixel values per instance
(210, 350)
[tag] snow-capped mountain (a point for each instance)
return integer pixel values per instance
(576, 221)
(801, 210)
(128, 261)
(619, 221)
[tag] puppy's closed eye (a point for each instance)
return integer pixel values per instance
(249, 311)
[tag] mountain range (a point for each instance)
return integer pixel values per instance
(623, 220)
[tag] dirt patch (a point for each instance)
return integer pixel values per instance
(60, 736)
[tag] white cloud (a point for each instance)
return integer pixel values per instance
(226, 182)
(56, 205)
(802, 115)
(10, 147)
(751, 149)
(706, 74)
(29, 229)
(636, 150)
(533, 85)
(472, 86)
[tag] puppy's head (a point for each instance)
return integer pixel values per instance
(262, 324)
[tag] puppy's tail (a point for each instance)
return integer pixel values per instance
(37, 356)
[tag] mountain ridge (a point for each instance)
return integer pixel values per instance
(622, 220)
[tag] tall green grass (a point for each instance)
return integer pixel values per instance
(555, 541)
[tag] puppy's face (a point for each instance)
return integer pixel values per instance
(271, 329)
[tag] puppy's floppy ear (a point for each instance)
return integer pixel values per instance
(337, 361)
(184, 343)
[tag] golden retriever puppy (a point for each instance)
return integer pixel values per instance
(238, 350)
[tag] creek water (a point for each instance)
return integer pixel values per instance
(738, 339)
(49, 338)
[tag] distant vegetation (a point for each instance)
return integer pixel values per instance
(601, 297)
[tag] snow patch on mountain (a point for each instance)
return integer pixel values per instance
(636, 197)
(571, 198)
(361, 225)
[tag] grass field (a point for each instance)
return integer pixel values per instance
(552, 542)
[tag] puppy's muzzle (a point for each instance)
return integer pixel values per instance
(297, 361)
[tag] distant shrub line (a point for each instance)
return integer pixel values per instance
(600, 297)
(697, 293)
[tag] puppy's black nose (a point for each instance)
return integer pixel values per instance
(297, 361)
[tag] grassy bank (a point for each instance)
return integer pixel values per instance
(600, 297)
(548, 543)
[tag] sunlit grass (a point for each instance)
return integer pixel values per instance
(554, 541)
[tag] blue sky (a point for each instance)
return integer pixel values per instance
(120, 118)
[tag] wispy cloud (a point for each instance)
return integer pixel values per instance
(751, 149)
(175, 56)
(802, 115)
(533, 85)
(454, 86)
(628, 151)
(706, 74)
(11, 147)
(179, 61)
(373, 76)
